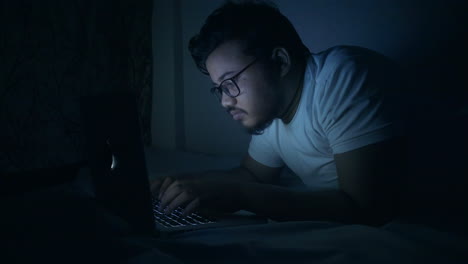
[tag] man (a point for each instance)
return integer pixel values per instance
(323, 115)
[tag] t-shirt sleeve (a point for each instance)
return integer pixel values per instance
(263, 152)
(352, 107)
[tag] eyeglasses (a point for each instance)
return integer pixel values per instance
(229, 86)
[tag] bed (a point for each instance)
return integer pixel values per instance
(404, 240)
(60, 224)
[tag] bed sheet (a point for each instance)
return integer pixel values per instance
(309, 242)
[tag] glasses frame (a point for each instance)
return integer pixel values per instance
(218, 90)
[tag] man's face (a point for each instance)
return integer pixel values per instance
(258, 102)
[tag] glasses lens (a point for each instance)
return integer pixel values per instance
(230, 88)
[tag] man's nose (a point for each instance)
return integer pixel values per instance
(227, 101)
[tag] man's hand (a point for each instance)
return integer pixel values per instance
(205, 192)
(215, 192)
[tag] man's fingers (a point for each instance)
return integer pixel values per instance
(170, 194)
(181, 200)
(165, 184)
(191, 207)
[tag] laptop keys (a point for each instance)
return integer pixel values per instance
(175, 219)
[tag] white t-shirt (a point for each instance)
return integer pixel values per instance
(342, 108)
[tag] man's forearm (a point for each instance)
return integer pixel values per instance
(282, 204)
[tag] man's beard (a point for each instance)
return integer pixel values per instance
(273, 112)
(260, 127)
(263, 124)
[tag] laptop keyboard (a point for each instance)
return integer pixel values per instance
(176, 219)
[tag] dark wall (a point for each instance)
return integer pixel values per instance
(426, 37)
(53, 52)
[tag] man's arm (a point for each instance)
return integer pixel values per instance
(211, 187)
(373, 177)
(369, 179)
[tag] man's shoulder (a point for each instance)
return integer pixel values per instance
(344, 52)
(347, 58)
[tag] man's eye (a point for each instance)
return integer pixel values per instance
(228, 85)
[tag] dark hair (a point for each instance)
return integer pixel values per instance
(259, 23)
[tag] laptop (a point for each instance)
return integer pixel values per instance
(117, 162)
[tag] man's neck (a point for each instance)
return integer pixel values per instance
(293, 94)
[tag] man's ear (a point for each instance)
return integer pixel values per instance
(281, 57)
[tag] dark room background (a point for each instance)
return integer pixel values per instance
(53, 52)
